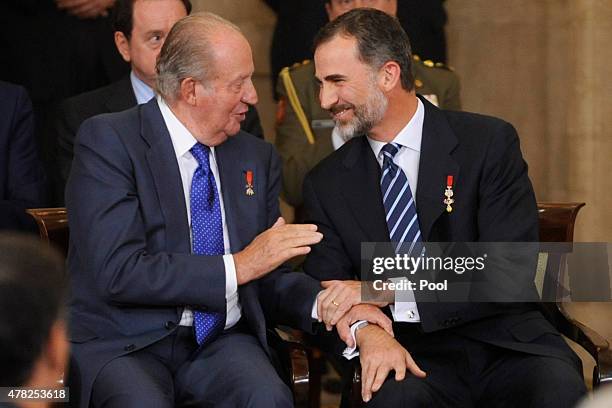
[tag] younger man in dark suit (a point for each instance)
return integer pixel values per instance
(387, 183)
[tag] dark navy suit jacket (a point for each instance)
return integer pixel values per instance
(22, 179)
(130, 262)
(494, 202)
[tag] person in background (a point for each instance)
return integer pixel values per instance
(33, 342)
(297, 23)
(57, 49)
(22, 179)
(141, 27)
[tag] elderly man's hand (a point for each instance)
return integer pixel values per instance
(370, 313)
(272, 247)
(339, 297)
(379, 353)
(85, 8)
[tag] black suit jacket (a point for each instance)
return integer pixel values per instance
(22, 179)
(115, 97)
(130, 260)
(494, 202)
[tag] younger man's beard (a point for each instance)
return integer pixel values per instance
(366, 115)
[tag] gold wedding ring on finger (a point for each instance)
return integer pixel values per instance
(335, 303)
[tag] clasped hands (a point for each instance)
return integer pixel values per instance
(341, 305)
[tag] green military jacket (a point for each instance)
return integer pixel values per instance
(304, 144)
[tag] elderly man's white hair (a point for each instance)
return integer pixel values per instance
(189, 52)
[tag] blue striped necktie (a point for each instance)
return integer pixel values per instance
(400, 207)
(206, 234)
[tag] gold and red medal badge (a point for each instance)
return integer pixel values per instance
(249, 183)
(448, 193)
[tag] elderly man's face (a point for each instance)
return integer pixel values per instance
(349, 88)
(224, 101)
(336, 8)
(152, 21)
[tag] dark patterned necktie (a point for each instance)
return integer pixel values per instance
(400, 207)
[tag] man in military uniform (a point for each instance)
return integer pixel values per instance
(304, 131)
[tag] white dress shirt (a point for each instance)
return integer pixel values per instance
(183, 141)
(143, 92)
(405, 308)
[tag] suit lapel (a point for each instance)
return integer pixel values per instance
(162, 163)
(435, 164)
(361, 190)
(240, 208)
(122, 96)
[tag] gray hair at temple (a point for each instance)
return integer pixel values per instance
(380, 38)
(188, 52)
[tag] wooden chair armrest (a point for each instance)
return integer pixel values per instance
(602, 373)
(294, 357)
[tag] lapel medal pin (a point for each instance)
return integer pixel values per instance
(448, 193)
(249, 183)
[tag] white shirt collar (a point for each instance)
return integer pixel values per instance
(182, 139)
(410, 136)
(143, 92)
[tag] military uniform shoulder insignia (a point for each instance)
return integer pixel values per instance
(294, 100)
(443, 66)
(299, 64)
(430, 64)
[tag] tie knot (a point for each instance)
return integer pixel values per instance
(200, 152)
(390, 150)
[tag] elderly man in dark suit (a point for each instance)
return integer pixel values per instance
(141, 27)
(176, 239)
(22, 179)
(388, 183)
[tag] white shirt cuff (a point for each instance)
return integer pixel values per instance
(231, 281)
(351, 352)
(314, 314)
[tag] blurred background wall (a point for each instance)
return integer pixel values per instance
(541, 65)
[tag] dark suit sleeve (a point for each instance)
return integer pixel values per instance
(328, 260)
(287, 297)
(25, 178)
(109, 237)
(507, 211)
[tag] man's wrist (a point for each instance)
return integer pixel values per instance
(362, 334)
